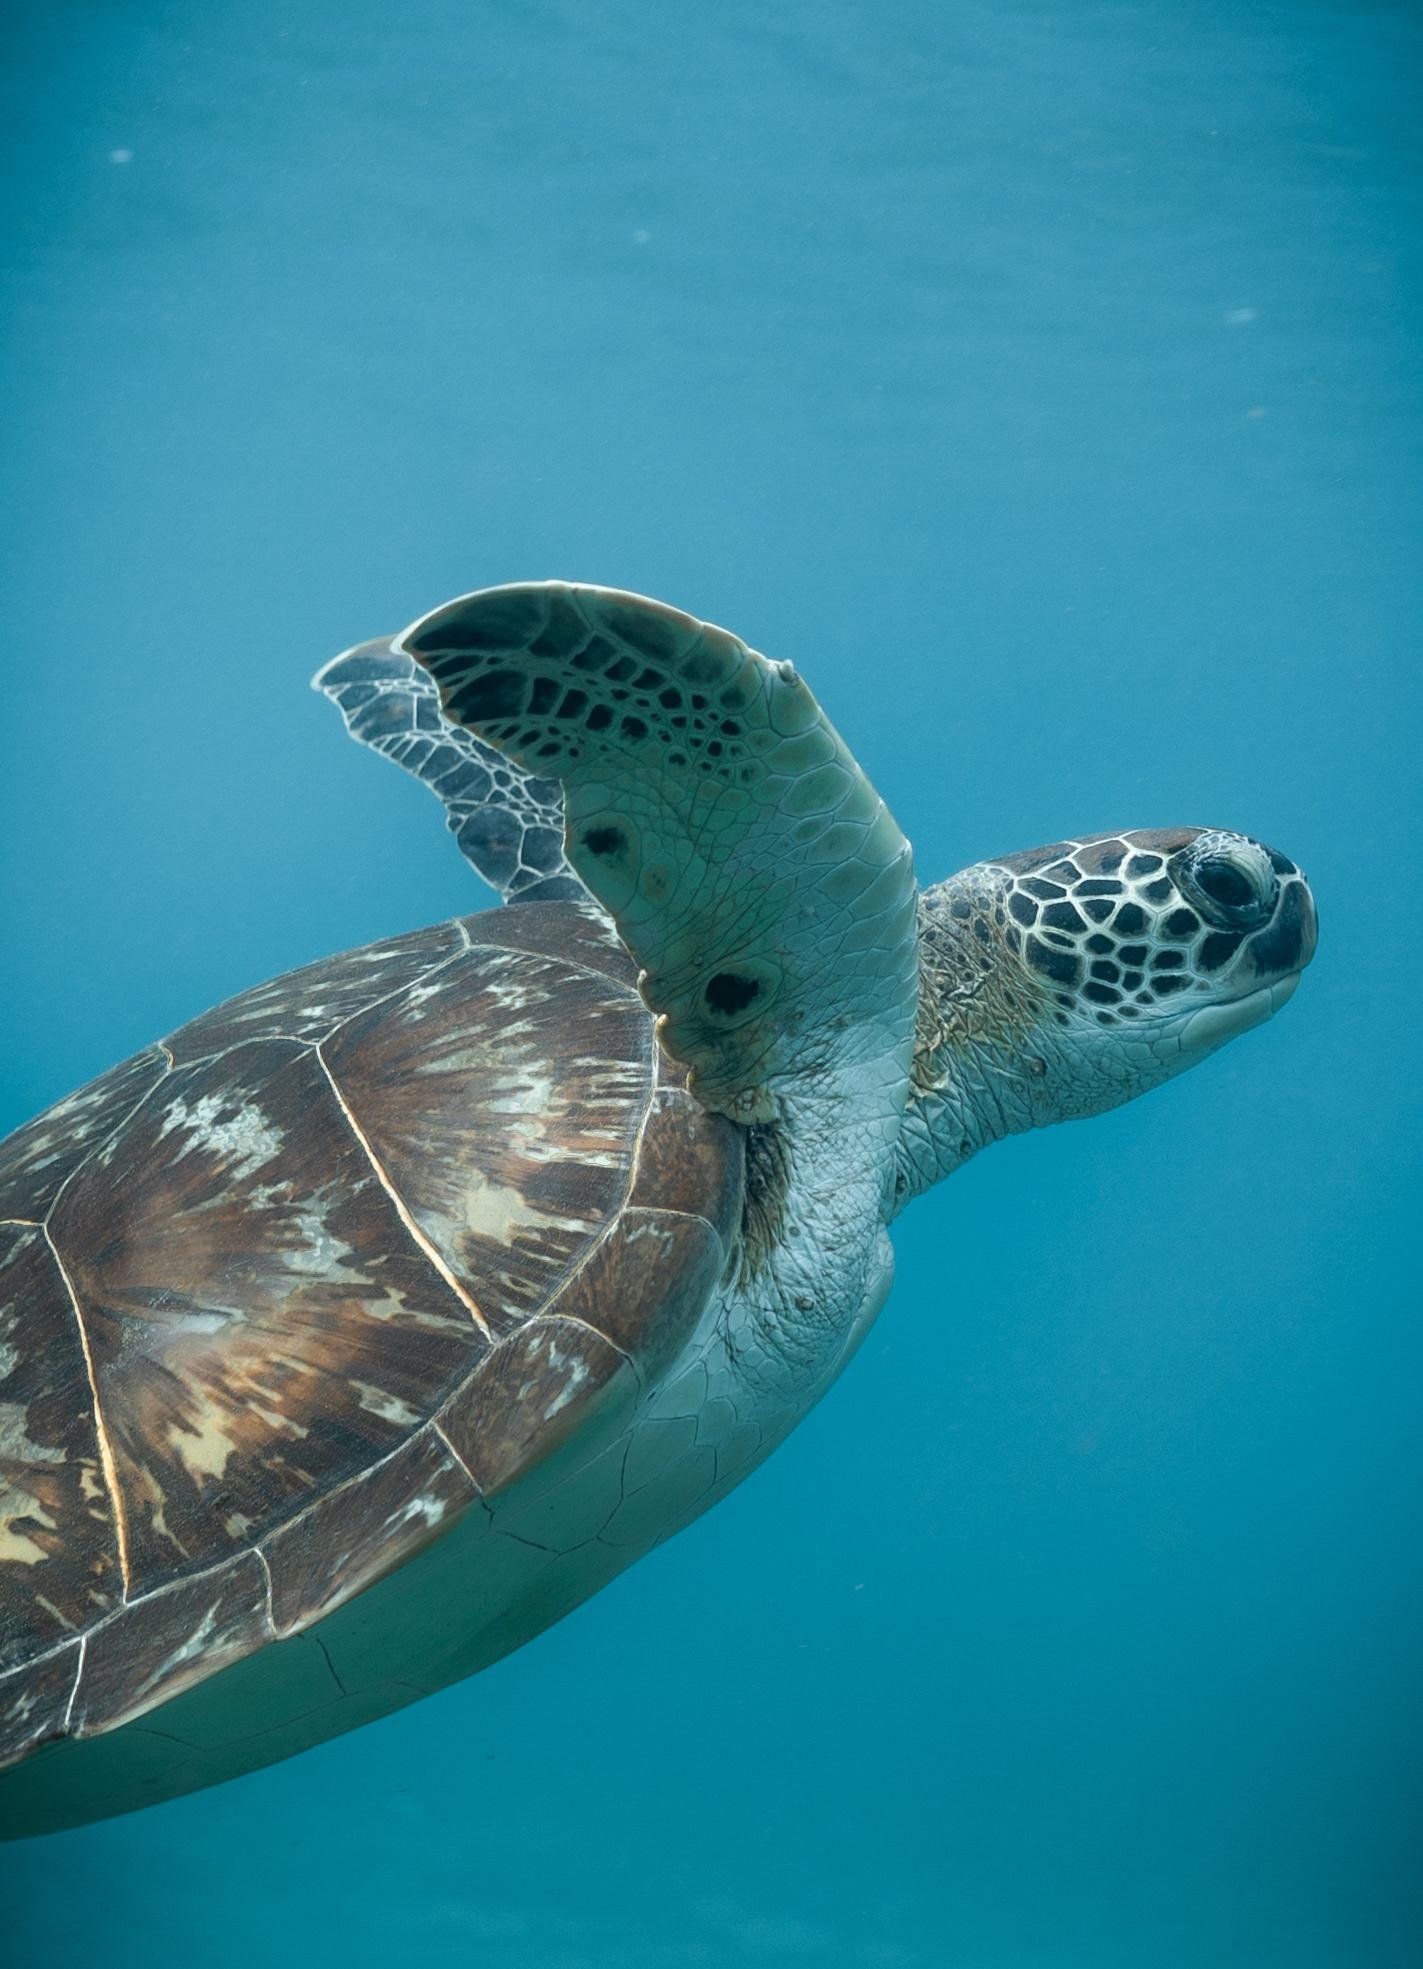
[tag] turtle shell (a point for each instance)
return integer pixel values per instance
(282, 1297)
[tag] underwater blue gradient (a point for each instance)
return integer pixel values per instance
(1044, 381)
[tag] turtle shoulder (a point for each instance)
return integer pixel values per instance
(285, 1296)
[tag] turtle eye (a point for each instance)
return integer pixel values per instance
(1228, 880)
(1225, 883)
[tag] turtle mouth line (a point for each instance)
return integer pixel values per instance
(1212, 1024)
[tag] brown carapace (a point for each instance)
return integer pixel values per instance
(285, 1296)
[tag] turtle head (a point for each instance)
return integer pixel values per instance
(1064, 981)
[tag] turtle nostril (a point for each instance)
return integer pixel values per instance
(1226, 884)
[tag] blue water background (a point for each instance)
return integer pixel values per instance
(1043, 380)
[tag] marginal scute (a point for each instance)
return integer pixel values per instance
(537, 1389)
(34, 1701)
(347, 1539)
(691, 1161)
(645, 1285)
(168, 1640)
(59, 1566)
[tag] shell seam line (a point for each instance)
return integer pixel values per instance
(78, 1678)
(568, 963)
(101, 1433)
(624, 1203)
(402, 1210)
(444, 1438)
(260, 1556)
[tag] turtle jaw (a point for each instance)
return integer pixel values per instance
(1201, 1031)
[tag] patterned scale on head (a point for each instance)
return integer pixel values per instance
(372, 1321)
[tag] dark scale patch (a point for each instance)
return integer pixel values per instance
(1132, 980)
(1062, 916)
(1097, 887)
(1167, 986)
(1182, 923)
(1100, 944)
(1065, 872)
(1168, 960)
(1106, 971)
(1143, 864)
(492, 694)
(1033, 858)
(1101, 994)
(1159, 891)
(1057, 964)
(1164, 839)
(728, 993)
(1131, 920)
(1133, 953)
(1282, 864)
(1218, 949)
(1045, 891)
(1101, 857)
(1280, 946)
(1098, 908)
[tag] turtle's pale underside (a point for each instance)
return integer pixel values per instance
(367, 1324)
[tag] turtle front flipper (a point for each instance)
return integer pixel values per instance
(752, 870)
(508, 823)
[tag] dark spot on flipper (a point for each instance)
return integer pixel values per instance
(727, 992)
(605, 842)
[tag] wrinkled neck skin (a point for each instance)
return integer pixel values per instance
(988, 1061)
(815, 1264)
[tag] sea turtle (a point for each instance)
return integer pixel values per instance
(367, 1324)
